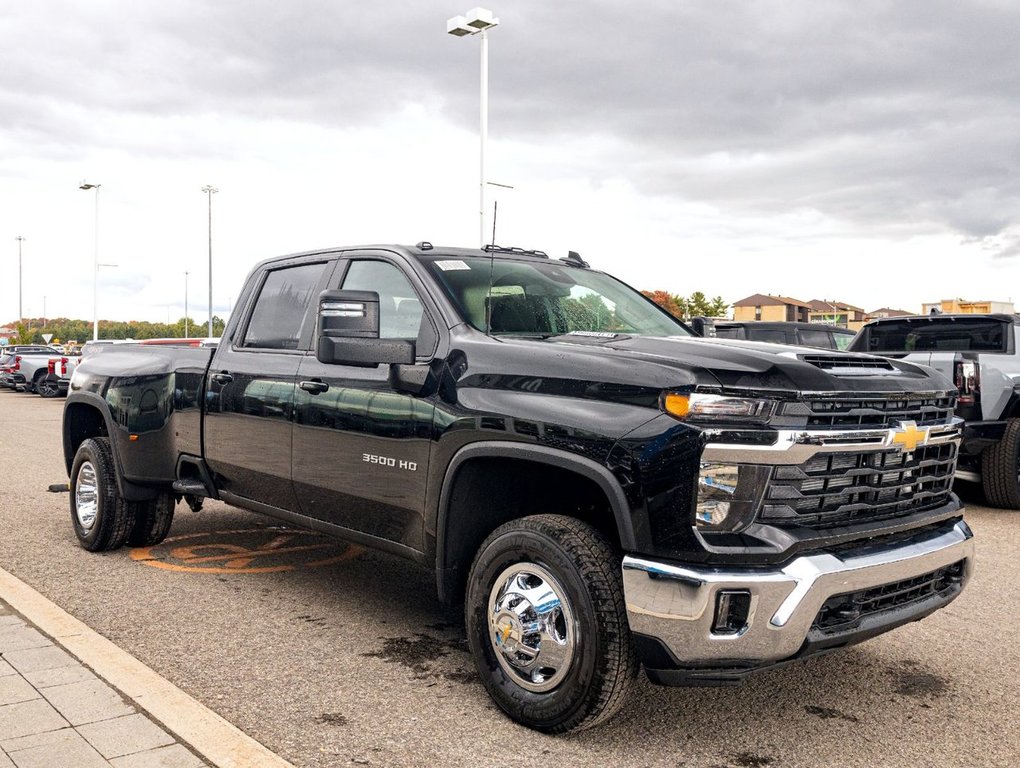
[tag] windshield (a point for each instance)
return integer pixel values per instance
(534, 298)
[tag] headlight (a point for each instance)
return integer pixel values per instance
(701, 408)
(729, 495)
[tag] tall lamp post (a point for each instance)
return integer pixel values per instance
(20, 240)
(478, 21)
(95, 265)
(210, 191)
(185, 305)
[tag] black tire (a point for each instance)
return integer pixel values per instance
(152, 520)
(1000, 469)
(585, 572)
(47, 387)
(33, 385)
(110, 516)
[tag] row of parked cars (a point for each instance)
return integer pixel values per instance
(46, 370)
(43, 370)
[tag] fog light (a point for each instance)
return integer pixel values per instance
(731, 611)
(728, 495)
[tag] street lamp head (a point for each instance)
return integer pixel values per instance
(477, 20)
(481, 19)
(458, 27)
(210, 189)
(86, 185)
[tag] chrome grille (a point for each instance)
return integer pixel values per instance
(838, 489)
(821, 412)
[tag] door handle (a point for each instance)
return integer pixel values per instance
(222, 378)
(314, 386)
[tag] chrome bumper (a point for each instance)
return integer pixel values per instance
(676, 604)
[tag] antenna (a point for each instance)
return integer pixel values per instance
(495, 210)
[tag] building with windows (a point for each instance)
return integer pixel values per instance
(837, 313)
(762, 306)
(887, 312)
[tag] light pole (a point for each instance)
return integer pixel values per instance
(20, 240)
(210, 190)
(185, 305)
(95, 266)
(478, 21)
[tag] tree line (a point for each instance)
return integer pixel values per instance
(686, 307)
(63, 329)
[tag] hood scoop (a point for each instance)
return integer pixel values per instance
(851, 365)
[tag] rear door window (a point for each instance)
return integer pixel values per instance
(281, 310)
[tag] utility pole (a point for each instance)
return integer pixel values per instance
(20, 240)
(210, 191)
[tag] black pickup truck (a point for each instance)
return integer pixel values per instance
(601, 488)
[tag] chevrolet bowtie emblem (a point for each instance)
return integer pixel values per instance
(909, 436)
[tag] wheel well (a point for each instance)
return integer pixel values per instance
(83, 421)
(487, 492)
(1013, 408)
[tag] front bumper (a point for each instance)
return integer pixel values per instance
(672, 608)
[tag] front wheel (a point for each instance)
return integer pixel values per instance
(100, 517)
(547, 624)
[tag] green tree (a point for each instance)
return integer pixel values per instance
(697, 304)
(24, 334)
(719, 307)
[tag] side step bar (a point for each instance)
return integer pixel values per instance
(191, 486)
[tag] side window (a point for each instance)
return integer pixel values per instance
(760, 334)
(400, 310)
(282, 307)
(819, 338)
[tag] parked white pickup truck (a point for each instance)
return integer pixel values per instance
(58, 376)
(26, 369)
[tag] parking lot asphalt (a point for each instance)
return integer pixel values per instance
(332, 655)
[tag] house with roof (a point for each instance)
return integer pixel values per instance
(887, 312)
(761, 306)
(838, 313)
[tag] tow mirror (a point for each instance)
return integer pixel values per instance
(348, 332)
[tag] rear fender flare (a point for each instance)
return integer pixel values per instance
(128, 490)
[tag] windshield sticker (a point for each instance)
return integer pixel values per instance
(596, 334)
(452, 265)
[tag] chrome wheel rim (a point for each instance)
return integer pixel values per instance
(531, 627)
(86, 496)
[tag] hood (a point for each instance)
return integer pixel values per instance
(662, 363)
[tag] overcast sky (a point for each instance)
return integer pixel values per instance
(860, 151)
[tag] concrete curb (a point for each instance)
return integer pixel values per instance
(215, 739)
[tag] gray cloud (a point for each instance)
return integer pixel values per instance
(888, 115)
